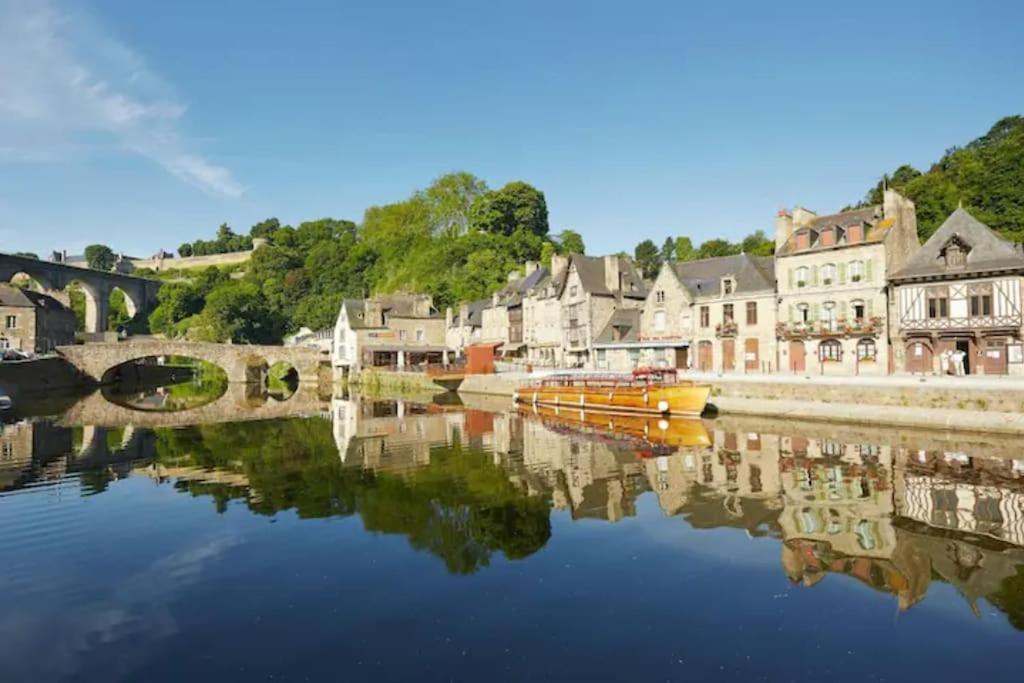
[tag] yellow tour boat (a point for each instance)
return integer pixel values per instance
(656, 391)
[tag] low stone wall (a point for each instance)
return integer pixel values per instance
(187, 262)
(1008, 400)
(377, 381)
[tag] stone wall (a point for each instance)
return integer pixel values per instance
(189, 262)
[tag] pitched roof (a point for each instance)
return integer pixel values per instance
(878, 228)
(354, 309)
(986, 250)
(704, 277)
(17, 297)
(513, 293)
(622, 317)
(591, 270)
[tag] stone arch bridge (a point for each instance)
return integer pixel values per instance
(140, 293)
(239, 361)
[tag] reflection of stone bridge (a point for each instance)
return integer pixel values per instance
(140, 294)
(241, 362)
(239, 403)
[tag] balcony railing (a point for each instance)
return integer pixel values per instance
(981, 322)
(830, 328)
(726, 329)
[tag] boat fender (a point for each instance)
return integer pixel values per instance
(663, 425)
(647, 429)
(647, 399)
(663, 406)
(557, 401)
(535, 398)
(611, 395)
(581, 400)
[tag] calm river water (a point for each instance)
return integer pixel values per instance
(279, 538)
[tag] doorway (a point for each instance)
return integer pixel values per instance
(728, 355)
(964, 345)
(797, 356)
(704, 356)
(682, 360)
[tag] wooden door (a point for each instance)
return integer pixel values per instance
(682, 356)
(919, 358)
(705, 356)
(797, 356)
(995, 357)
(728, 355)
(751, 359)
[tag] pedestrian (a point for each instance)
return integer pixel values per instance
(958, 362)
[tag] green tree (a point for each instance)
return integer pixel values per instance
(265, 228)
(185, 250)
(571, 242)
(516, 206)
(100, 257)
(717, 247)
(685, 250)
(238, 312)
(668, 250)
(27, 254)
(450, 200)
(757, 244)
(648, 258)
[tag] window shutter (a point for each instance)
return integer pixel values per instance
(867, 309)
(867, 270)
(842, 273)
(792, 313)
(814, 312)
(814, 276)
(791, 278)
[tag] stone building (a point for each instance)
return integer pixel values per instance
(33, 322)
(464, 326)
(393, 331)
(831, 273)
(502, 320)
(715, 314)
(959, 298)
(542, 316)
(594, 288)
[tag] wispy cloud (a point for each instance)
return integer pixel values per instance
(67, 87)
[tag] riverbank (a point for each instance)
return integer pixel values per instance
(979, 404)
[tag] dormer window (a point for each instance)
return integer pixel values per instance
(854, 233)
(659, 296)
(955, 253)
(827, 238)
(803, 239)
(727, 286)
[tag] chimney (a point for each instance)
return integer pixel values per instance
(802, 217)
(559, 263)
(531, 268)
(783, 227)
(373, 313)
(612, 277)
(900, 209)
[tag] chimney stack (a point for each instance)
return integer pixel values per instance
(783, 227)
(611, 273)
(559, 263)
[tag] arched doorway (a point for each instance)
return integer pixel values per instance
(797, 356)
(919, 357)
(705, 356)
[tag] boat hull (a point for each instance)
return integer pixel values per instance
(653, 430)
(654, 399)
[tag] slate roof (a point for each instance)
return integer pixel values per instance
(987, 250)
(354, 309)
(16, 297)
(591, 272)
(513, 293)
(704, 277)
(475, 313)
(871, 216)
(622, 317)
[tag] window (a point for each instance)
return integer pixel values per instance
(751, 312)
(602, 355)
(981, 305)
(938, 304)
(727, 315)
(401, 335)
(828, 316)
(866, 349)
(830, 350)
(419, 335)
(5, 343)
(659, 321)
(705, 316)
(572, 290)
(828, 274)
(802, 276)
(827, 238)
(858, 310)
(955, 255)
(856, 271)
(659, 296)
(634, 357)
(803, 313)
(803, 239)
(727, 285)
(854, 233)
(12, 322)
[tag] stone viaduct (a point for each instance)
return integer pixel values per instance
(140, 293)
(241, 362)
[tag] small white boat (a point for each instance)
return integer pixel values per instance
(5, 402)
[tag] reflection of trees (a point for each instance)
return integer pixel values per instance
(1010, 598)
(461, 506)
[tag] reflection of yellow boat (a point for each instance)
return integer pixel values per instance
(656, 391)
(653, 435)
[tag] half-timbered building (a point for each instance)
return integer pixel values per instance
(956, 305)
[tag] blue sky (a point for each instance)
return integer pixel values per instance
(147, 124)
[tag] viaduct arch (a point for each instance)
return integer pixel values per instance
(140, 293)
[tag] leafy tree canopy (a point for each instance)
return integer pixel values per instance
(100, 257)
